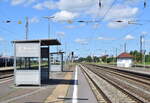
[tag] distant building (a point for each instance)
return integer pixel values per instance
(124, 60)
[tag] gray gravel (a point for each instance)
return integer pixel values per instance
(115, 95)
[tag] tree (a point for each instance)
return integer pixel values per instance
(89, 59)
(96, 59)
(137, 56)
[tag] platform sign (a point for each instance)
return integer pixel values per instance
(27, 49)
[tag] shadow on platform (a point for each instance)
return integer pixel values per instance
(65, 98)
(59, 81)
(62, 99)
(67, 71)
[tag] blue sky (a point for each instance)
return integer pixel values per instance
(92, 38)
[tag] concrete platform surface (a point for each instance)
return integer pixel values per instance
(69, 86)
(6, 68)
(139, 69)
(132, 69)
(80, 92)
(27, 94)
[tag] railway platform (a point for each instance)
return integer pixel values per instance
(69, 86)
(36, 94)
(81, 91)
(6, 72)
(6, 68)
(140, 70)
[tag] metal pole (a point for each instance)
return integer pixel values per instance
(48, 18)
(144, 59)
(27, 28)
(49, 62)
(106, 55)
(143, 51)
(141, 43)
(135, 61)
(125, 47)
(15, 69)
(61, 61)
(26, 36)
(116, 56)
(65, 54)
(39, 60)
(48, 29)
(141, 47)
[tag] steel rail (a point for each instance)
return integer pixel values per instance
(121, 88)
(140, 79)
(6, 73)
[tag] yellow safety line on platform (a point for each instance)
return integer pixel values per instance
(60, 90)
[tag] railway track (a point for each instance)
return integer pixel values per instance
(126, 74)
(137, 87)
(6, 73)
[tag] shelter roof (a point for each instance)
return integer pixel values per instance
(44, 42)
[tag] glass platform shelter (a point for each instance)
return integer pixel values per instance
(56, 61)
(31, 61)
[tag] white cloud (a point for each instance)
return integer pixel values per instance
(85, 7)
(117, 11)
(96, 25)
(105, 38)
(16, 2)
(116, 25)
(128, 37)
(81, 41)
(61, 34)
(34, 20)
(70, 26)
(30, 2)
(76, 5)
(38, 6)
(70, 9)
(45, 5)
(132, 2)
(144, 33)
(121, 11)
(64, 16)
(125, 22)
(26, 2)
(90, 8)
(1, 39)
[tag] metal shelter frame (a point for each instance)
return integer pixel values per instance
(61, 56)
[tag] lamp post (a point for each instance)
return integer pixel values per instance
(142, 42)
(27, 28)
(48, 18)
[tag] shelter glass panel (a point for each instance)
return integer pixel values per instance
(55, 59)
(27, 63)
(44, 62)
